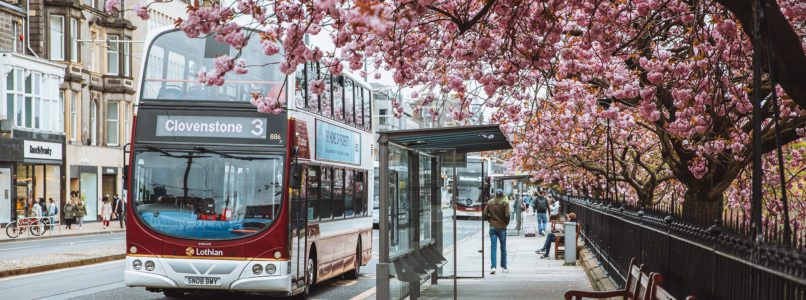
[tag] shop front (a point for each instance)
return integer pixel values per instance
(94, 174)
(30, 170)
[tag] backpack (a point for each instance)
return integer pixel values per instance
(541, 204)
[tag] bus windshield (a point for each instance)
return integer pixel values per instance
(207, 196)
(174, 61)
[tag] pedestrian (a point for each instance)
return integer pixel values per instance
(106, 211)
(120, 210)
(517, 207)
(541, 210)
(79, 212)
(53, 210)
(36, 212)
(44, 206)
(553, 236)
(527, 201)
(69, 214)
(554, 210)
(28, 206)
(497, 212)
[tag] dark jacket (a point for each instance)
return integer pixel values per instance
(497, 212)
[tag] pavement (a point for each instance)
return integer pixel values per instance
(529, 277)
(62, 231)
(61, 248)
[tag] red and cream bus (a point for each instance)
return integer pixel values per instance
(221, 197)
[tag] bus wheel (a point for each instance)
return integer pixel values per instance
(310, 278)
(355, 273)
(173, 293)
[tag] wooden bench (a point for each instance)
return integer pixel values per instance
(639, 286)
(659, 293)
(628, 292)
(559, 243)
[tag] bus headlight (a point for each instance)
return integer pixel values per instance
(137, 264)
(149, 265)
(270, 269)
(257, 269)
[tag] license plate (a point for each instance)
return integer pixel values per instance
(193, 280)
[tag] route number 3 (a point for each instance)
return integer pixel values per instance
(258, 130)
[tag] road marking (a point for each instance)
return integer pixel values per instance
(86, 291)
(364, 295)
(343, 283)
(60, 270)
(18, 248)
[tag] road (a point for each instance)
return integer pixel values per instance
(105, 280)
(39, 247)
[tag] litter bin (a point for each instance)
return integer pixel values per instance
(570, 242)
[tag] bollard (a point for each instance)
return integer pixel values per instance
(570, 242)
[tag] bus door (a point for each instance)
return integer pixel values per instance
(299, 228)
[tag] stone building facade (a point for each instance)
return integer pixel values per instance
(31, 124)
(98, 91)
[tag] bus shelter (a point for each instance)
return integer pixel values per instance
(411, 221)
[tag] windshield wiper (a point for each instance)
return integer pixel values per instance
(250, 158)
(166, 153)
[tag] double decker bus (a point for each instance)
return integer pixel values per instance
(470, 194)
(222, 197)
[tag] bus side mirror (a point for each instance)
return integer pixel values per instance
(295, 181)
(125, 173)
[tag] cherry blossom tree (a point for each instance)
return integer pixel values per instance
(676, 72)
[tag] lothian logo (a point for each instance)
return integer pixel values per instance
(190, 251)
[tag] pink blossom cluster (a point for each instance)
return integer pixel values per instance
(112, 6)
(142, 11)
(223, 64)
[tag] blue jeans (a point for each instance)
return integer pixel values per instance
(542, 218)
(547, 245)
(496, 235)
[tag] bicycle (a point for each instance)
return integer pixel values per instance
(16, 228)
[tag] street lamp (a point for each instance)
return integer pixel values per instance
(610, 160)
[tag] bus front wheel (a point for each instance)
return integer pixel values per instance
(310, 278)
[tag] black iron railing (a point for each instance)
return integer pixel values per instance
(718, 262)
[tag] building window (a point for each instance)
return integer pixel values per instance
(15, 38)
(74, 116)
(94, 122)
(126, 56)
(31, 101)
(112, 55)
(56, 37)
(93, 53)
(126, 128)
(56, 109)
(112, 128)
(74, 36)
(381, 117)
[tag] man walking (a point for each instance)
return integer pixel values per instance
(541, 209)
(497, 213)
(120, 209)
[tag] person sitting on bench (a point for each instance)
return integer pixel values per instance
(554, 235)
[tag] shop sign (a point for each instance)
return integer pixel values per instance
(337, 144)
(110, 170)
(42, 150)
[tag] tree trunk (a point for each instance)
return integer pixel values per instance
(701, 209)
